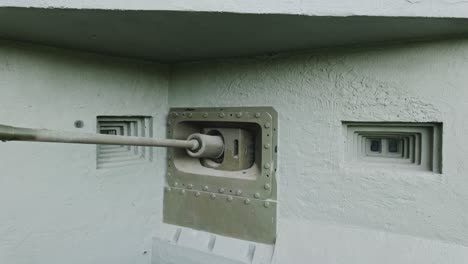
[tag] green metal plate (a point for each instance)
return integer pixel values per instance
(264, 184)
(190, 187)
(243, 218)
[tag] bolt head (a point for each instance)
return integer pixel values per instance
(256, 195)
(182, 191)
(267, 165)
(213, 196)
(239, 114)
(229, 198)
(266, 204)
(247, 201)
(205, 115)
(267, 146)
(267, 186)
(221, 190)
(267, 125)
(221, 115)
(189, 114)
(169, 174)
(205, 188)
(79, 123)
(167, 189)
(175, 184)
(197, 194)
(257, 115)
(238, 192)
(175, 114)
(189, 186)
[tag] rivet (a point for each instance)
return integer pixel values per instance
(257, 115)
(238, 192)
(257, 195)
(175, 184)
(213, 196)
(267, 125)
(197, 194)
(266, 204)
(205, 188)
(221, 115)
(229, 198)
(182, 191)
(189, 114)
(189, 186)
(247, 201)
(267, 186)
(267, 146)
(267, 165)
(221, 190)
(175, 114)
(205, 115)
(169, 174)
(167, 189)
(239, 114)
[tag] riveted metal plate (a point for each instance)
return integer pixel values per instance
(256, 183)
(182, 170)
(239, 217)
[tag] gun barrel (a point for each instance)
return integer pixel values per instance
(10, 133)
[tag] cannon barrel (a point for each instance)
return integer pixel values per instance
(205, 146)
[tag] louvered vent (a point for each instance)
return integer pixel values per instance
(405, 145)
(109, 156)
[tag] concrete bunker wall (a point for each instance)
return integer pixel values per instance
(58, 207)
(313, 94)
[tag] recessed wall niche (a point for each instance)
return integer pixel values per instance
(416, 146)
(109, 156)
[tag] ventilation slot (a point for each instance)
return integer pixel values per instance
(109, 156)
(407, 145)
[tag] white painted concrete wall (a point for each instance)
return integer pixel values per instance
(55, 206)
(398, 8)
(313, 93)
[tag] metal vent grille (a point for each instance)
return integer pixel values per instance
(109, 156)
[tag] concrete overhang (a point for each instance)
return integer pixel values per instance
(174, 36)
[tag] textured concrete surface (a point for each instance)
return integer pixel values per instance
(56, 207)
(332, 244)
(313, 93)
(422, 8)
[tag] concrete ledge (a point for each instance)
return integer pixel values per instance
(170, 36)
(174, 244)
(309, 242)
(409, 8)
